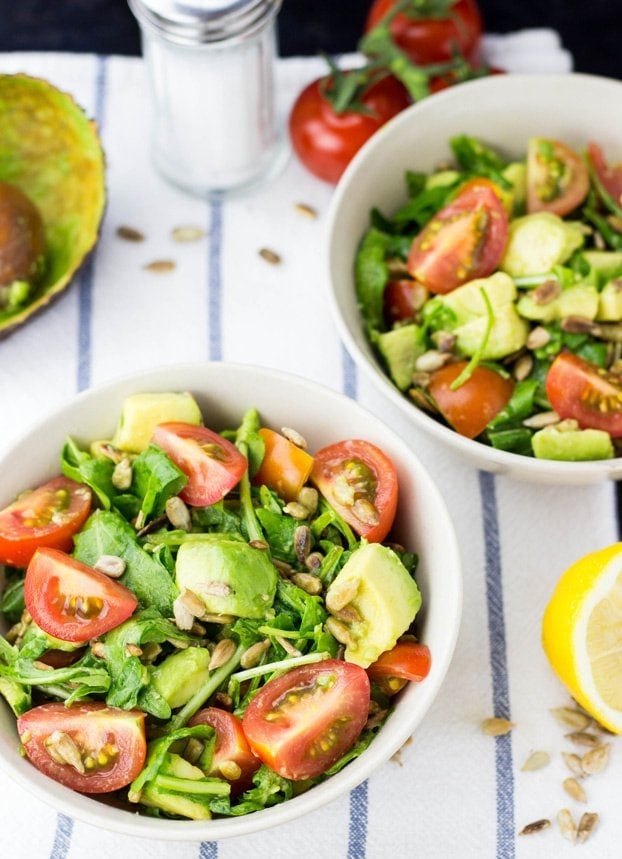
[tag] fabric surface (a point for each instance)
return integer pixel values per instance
(453, 792)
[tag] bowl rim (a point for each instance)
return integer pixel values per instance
(487, 457)
(88, 809)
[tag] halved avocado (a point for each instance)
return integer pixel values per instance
(51, 150)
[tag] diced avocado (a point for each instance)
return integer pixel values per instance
(508, 333)
(141, 413)
(608, 264)
(229, 576)
(610, 301)
(181, 674)
(538, 242)
(516, 174)
(572, 445)
(400, 349)
(582, 299)
(441, 178)
(379, 587)
(48, 642)
(16, 695)
(183, 805)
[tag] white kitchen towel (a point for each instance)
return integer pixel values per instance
(453, 793)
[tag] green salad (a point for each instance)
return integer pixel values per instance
(493, 297)
(200, 623)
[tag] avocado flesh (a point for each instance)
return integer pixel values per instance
(384, 595)
(51, 151)
(582, 299)
(182, 805)
(181, 674)
(538, 242)
(142, 412)
(572, 445)
(400, 349)
(16, 696)
(610, 301)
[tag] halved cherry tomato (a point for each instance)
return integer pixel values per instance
(470, 407)
(557, 178)
(360, 482)
(581, 390)
(71, 601)
(48, 516)
(398, 300)
(609, 175)
(285, 466)
(231, 746)
(433, 39)
(464, 241)
(212, 464)
(408, 660)
(326, 141)
(299, 724)
(104, 747)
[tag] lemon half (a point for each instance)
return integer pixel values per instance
(582, 634)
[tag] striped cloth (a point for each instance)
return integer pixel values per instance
(453, 792)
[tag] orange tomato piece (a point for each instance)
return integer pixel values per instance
(285, 466)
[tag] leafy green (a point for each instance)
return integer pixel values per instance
(155, 479)
(95, 472)
(372, 275)
(476, 158)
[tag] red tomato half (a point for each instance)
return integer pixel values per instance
(470, 408)
(71, 601)
(557, 178)
(299, 724)
(326, 141)
(408, 660)
(285, 466)
(609, 176)
(585, 392)
(433, 40)
(360, 482)
(107, 746)
(463, 241)
(212, 464)
(231, 746)
(47, 516)
(398, 300)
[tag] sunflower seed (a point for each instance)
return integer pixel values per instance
(134, 649)
(541, 419)
(270, 256)
(313, 561)
(306, 210)
(187, 234)
(348, 614)
(338, 597)
(122, 474)
(583, 738)
(573, 762)
(571, 718)
(536, 761)
(183, 617)
(194, 749)
(192, 602)
(546, 292)
(588, 821)
(160, 265)
(110, 565)
(431, 360)
(578, 325)
(253, 655)
(296, 510)
(538, 337)
(302, 542)
(222, 653)
(567, 826)
(230, 770)
(309, 498)
(596, 759)
(283, 567)
(130, 234)
(615, 222)
(574, 789)
(98, 649)
(536, 826)
(287, 646)
(295, 437)
(522, 367)
(177, 513)
(258, 544)
(444, 340)
(497, 727)
(339, 631)
(307, 582)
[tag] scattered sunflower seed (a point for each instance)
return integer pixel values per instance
(574, 789)
(110, 565)
(296, 510)
(535, 826)
(573, 762)
(230, 770)
(182, 615)
(431, 360)
(538, 337)
(295, 437)
(306, 210)
(253, 655)
(538, 421)
(223, 652)
(130, 234)
(522, 367)
(548, 291)
(177, 513)
(588, 821)
(160, 265)
(571, 718)
(496, 727)
(122, 474)
(339, 631)
(307, 582)
(337, 598)
(270, 256)
(192, 602)
(567, 826)
(194, 749)
(536, 761)
(309, 498)
(596, 759)
(134, 649)
(583, 738)
(98, 649)
(187, 234)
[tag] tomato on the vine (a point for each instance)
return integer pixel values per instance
(434, 37)
(557, 178)
(581, 390)
(88, 747)
(48, 516)
(464, 241)
(326, 141)
(471, 406)
(300, 723)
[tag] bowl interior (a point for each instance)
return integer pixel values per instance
(503, 111)
(224, 392)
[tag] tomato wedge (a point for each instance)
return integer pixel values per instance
(285, 466)
(581, 390)
(231, 748)
(48, 516)
(408, 660)
(557, 178)
(360, 482)
(470, 407)
(212, 464)
(399, 300)
(90, 747)
(609, 176)
(299, 724)
(464, 241)
(71, 601)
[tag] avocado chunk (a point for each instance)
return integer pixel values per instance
(538, 242)
(610, 301)
(572, 445)
(516, 175)
(508, 332)
(441, 179)
(607, 264)
(181, 674)
(142, 412)
(229, 576)
(400, 349)
(17, 696)
(384, 595)
(582, 299)
(179, 804)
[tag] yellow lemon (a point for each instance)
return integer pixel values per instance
(582, 634)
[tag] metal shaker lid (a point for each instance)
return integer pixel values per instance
(202, 21)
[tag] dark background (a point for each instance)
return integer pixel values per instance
(590, 29)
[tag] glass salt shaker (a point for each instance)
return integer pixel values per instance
(210, 65)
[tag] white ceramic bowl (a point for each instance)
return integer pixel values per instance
(224, 392)
(504, 111)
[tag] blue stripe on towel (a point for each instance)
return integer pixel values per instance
(208, 850)
(357, 830)
(498, 666)
(215, 282)
(85, 301)
(349, 374)
(62, 837)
